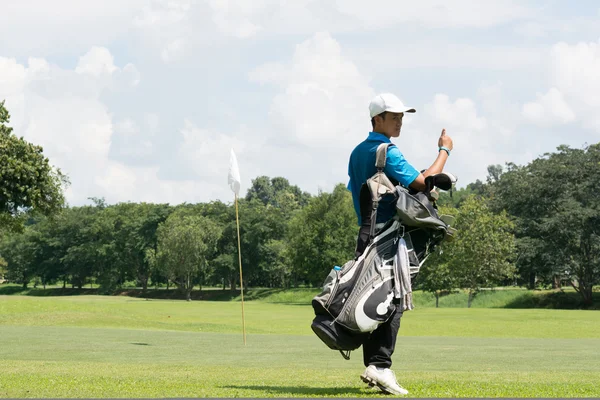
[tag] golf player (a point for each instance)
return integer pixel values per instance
(386, 112)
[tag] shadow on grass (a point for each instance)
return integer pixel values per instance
(207, 295)
(151, 293)
(8, 290)
(554, 300)
(306, 391)
(40, 292)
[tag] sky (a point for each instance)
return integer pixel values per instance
(142, 100)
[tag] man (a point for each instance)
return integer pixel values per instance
(386, 112)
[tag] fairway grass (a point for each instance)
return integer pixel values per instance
(95, 346)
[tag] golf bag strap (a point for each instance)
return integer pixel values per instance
(380, 160)
(381, 155)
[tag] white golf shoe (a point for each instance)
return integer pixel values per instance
(384, 379)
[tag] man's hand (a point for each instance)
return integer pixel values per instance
(445, 140)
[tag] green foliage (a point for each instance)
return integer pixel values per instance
(435, 275)
(18, 252)
(482, 253)
(322, 235)
(134, 228)
(554, 202)
(277, 192)
(435, 278)
(455, 198)
(28, 183)
(3, 265)
(185, 244)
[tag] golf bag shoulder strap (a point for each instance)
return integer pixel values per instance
(382, 155)
(379, 184)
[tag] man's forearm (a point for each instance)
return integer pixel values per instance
(438, 164)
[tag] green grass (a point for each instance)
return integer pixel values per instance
(498, 298)
(101, 346)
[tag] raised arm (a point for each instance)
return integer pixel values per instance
(439, 163)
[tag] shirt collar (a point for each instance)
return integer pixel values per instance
(378, 137)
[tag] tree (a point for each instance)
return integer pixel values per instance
(322, 235)
(455, 198)
(277, 192)
(435, 278)
(554, 202)
(185, 243)
(482, 253)
(133, 233)
(83, 241)
(3, 265)
(226, 265)
(494, 173)
(264, 214)
(276, 265)
(28, 183)
(435, 275)
(19, 253)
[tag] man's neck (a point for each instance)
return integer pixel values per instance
(381, 133)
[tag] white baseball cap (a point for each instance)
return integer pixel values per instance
(388, 102)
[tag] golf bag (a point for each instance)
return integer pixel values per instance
(359, 296)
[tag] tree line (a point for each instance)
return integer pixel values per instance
(535, 225)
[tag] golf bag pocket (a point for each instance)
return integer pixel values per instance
(335, 336)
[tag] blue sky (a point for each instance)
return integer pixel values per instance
(139, 100)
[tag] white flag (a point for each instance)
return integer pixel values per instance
(234, 174)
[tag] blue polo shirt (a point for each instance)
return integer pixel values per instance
(362, 166)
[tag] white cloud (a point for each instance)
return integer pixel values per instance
(205, 152)
(501, 110)
(434, 13)
(320, 112)
(163, 132)
(575, 73)
(322, 105)
(322, 95)
(123, 183)
(460, 114)
(162, 13)
(441, 53)
(274, 73)
(96, 62)
(63, 26)
(166, 24)
(178, 24)
(232, 17)
(487, 129)
(131, 144)
(61, 111)
(575, 84)
(77, 130)
(549, 109)
(173, 50)
(542, 26)
(473, 138)
(532, 29)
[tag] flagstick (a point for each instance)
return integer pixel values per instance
(237, 220)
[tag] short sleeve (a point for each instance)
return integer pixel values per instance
(398, 168)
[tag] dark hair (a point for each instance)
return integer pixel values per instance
(382, 115)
